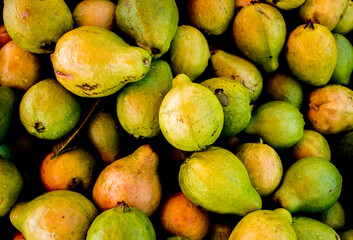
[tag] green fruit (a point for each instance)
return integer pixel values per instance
(60, 214)
(345, 146)
(265, 224)
(94, 62)
(7, 103)
(152, 24)
(279, 123)
(285, 87)
(264, 40)
(308, 228)
(122, 222)
(345, 25)
(235, 101)
(347, 235)
(334, 216)
(331, 109)
(238, 69)
(263, 165)
(344, 66)
(36, 26)
(312, 144)
(286, 4)
(311, 53)
(138, 103)
(48, 110)
(11, 184)
(218, 181)
(325, 12)
(8, 151)
(311, 184)
(104, 134)
(189, 52)
(211, 16)
(190, 117)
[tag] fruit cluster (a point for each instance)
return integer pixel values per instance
(194, 119)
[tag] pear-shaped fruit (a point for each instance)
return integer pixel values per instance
(104, 134)
(334, 216)
(312, 144)
(212, 16)
(238, 69)
(11, 184)
(218, 181)
(100, 13)
(324, 12)
(138, 103)
(189, 52)
(180, 217)
(71, 170)
(263, 165)
(279, 123)
(311, 53)
(311, 184)
(92, 61)
(308, 228)
(36, 26)
(191, 116)
(344, 66)
(132, 179)
(19, 69)
(267, 26)
(347, 234)
(152, 24)
(284, 87)
(7, 104)
(286, 4)
(235, 101)
(331, 109)
(60, 214)
(345, 25)
(345, 146)
(48, 110)
(265, 224)
(120, 223)
(221, 231)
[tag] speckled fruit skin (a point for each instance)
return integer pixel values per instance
(190, 117)
(94, 62)
(121, 223)
(265, 224)
(180, 217)
(34, 25)
(60, 215)
(217, 180)
(132, 179)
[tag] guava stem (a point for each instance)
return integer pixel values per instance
(310, 24)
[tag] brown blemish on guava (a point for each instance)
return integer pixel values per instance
(61, 74)
(155, 51)
(76, 184)
(146, 62)
(39, 127)
(262, 12)
(24, 14)
(87, 87)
